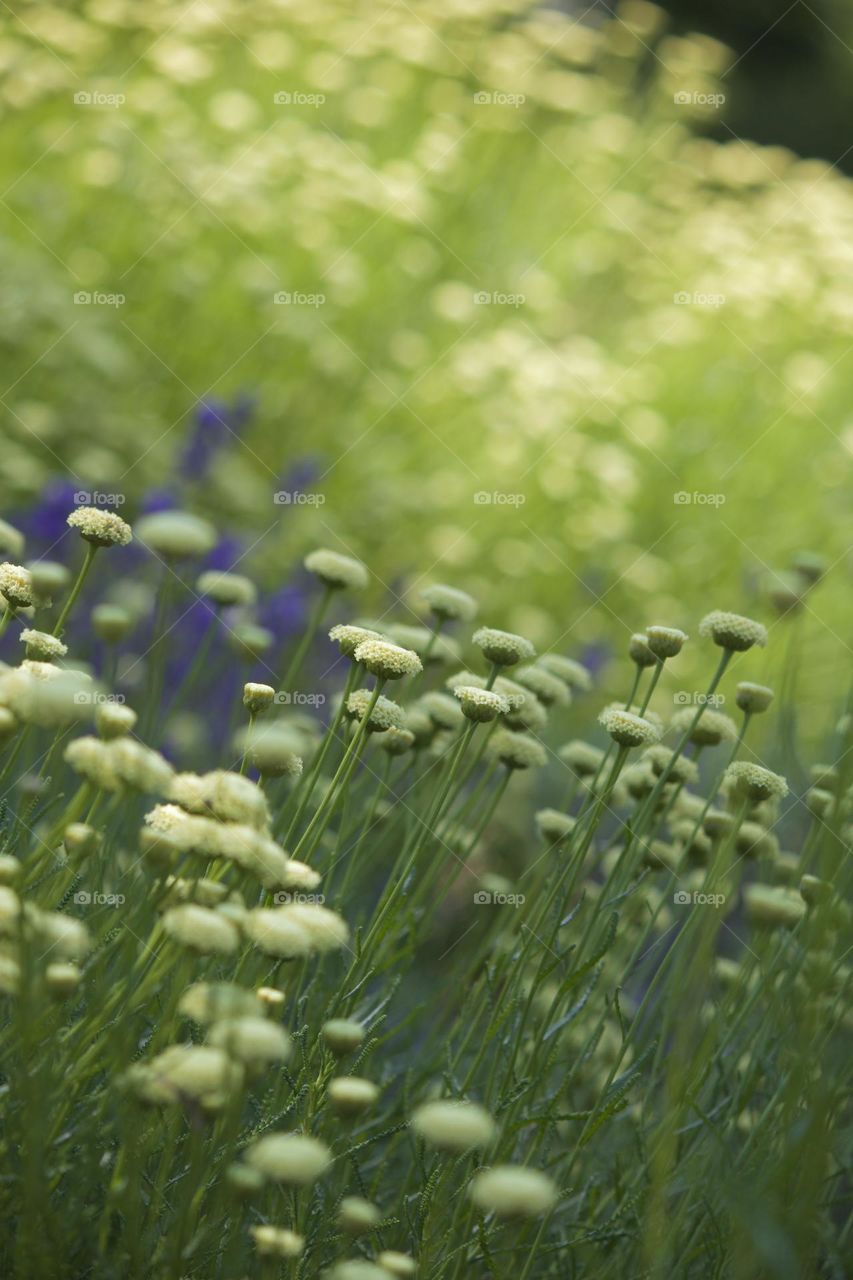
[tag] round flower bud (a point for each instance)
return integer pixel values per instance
(10, 868)
(48, 579)
(114, 719)
(819, 802)
(249, 641)
(355, 1215)
(753, 698)
(548, 688)
(62, 980)
(530, 714)
(397, 741)
(572, 673)
(442, 709)
(100, 528)
(554, 826)
(665, 642)
(449, 604)
(187, 1071)
(300, 876)
(583, 759)
(732, 631)
(772, 906)
(291, 1158)
(626, 729)
(814, 891)
(712, 728)
(111, 623)
(244, 1182)
(173, 535)
(517, 750)
(226, 589)
(80, 839)
(16, 585)
(385, 714)
(480, 705)
(754, 782)
(343, 1035)
(639, 651)
(336, 571)
(207, 1002)
(201, 930)
(273, 752)
(11, 539)
(388, 661)
(453, 1126)
(503, 648)
(753, 841)
(350, 1095)
(252, 1040)
(397, 1264)
(276, 1242)
(270, 997)
(258, 697)
(824, 775)
(513, 1191)
(42, 647)
(63, 936)
(348, 637)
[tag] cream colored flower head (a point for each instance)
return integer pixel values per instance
(388, 661)
(449, 603)
(100, 528)
(16, 585)
(257, 697)
(753, 698)
(582, 758)
(627, 729)
(517, 750)
(201, 929)
(712, 728)
(481, 705)
(176, 534)
(503, 648)
(385, 714)
(336, 571)
(453, 1125)
(348, 637)
(226, 589)
(292, 1158)
(41, 646)
(754, 782)
(732, 631)
(513, 1191)
(639, 651)
(548, 688)
(665, 642)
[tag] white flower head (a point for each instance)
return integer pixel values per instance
(388, 661)
(16, 585)
(100, 528)
(503, 648)
(41, 646)
(336, 571)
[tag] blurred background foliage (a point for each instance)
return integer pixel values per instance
(540, 289)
